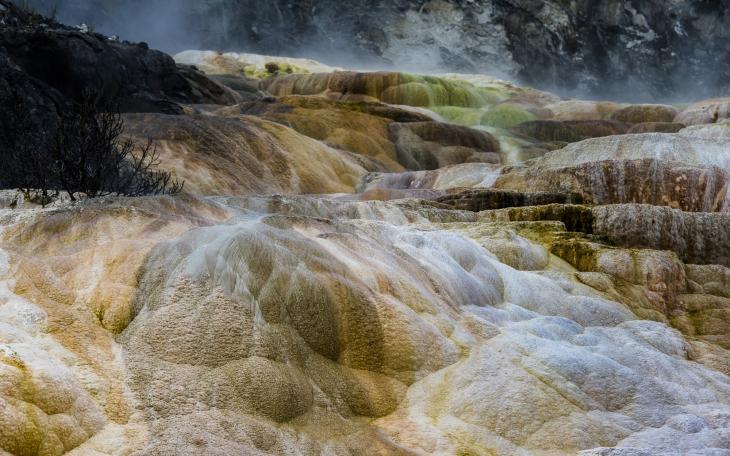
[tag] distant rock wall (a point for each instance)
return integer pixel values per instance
(658, 49)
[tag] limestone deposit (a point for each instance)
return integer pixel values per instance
(369, 263)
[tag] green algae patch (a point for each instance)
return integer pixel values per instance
(581, 254)
(467, 117)
(506, 116)
(501, 116)
(428, 91)
(416, 94)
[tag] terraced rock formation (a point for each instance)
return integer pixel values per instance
(377, 264)
(247, 324)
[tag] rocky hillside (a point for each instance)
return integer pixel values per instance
(51, 62)
(630, 50)
(366, 264)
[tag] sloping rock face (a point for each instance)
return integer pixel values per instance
(698, 238)
(388, 87)
(687, 173)
(432, 145)
(392, 138)
(245, 155)
(719, 131)
(656, 127)
(478, 175)
(637, 114)
(608, 49)
(359, 127)
(569, 131)
(582, 110)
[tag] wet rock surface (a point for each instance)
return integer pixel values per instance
(244, 155)
(470, 175)
(704, 112)
(637, 114)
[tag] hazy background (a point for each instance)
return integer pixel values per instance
(652, 50)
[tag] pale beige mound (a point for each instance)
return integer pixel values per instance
(719, 131)
(68, 284)
(636, 114)
(582, 110)
(705, 112)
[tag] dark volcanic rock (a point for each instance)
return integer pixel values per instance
(46, 68)
(72, 60)
(26, 104)
(38, 97)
